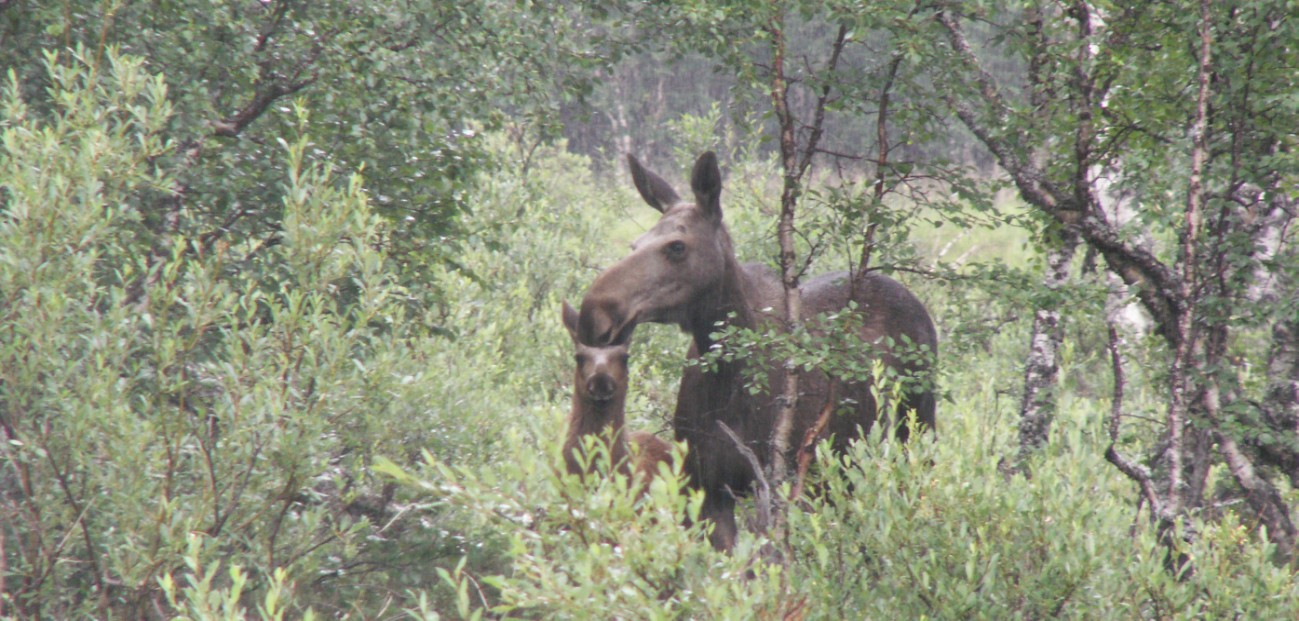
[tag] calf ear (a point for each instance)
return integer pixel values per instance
(652, 187)
(570, 320)
(706, 181)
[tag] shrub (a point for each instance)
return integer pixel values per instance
(583, 549)
(172, 398)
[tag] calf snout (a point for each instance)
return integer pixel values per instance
(601, 386)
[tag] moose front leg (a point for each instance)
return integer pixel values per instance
(719, 510)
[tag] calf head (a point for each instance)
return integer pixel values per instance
(601, 373)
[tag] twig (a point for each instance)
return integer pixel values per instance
(807, 448)
(818, 123)
(881, 165)
(762, 493)
(1133, 470)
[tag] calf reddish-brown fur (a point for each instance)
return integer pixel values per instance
(599, 408)
(683, 271)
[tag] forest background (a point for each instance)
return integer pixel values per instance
(280, 288)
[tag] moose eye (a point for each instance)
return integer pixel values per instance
(676, 248)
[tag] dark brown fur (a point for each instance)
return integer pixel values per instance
(684, 271)
(599, 408)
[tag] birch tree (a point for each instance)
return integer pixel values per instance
(1181, 105)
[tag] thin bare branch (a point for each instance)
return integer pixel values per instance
(1178, 399)
(790, 271)
(762, 498)
(818, 117)
(881, 167)
(807, 448)
(1137, 472)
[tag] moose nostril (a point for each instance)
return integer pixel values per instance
(601, 387)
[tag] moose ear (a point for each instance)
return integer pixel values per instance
(623, 336)
(603, 324)
(652, 188)
(570, 320)
(706, 181)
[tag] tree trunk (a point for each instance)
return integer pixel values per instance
(789, 270)
(795, 166)
(1038, 406)
(1280, 407)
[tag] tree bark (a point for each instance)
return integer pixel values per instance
(1041, 370)
(1179, 495)
(789, 271)
(1280, 406)
(1232, 271)
(1156, 283)
(1135, 471)
(1262, 496)
(796, 163)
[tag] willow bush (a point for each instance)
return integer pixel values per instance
(932, 530)
(172, 399)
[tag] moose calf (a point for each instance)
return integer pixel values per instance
(599, 402)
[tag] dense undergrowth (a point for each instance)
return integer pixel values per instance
(253, 432)
(936, 530)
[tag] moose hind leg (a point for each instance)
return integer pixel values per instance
(923, 405)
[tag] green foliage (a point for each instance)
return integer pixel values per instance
(596, 548)
(934, 531)
(402, 90)
(693, 134)
(197, 600)
(930, 530)
(828, 343)
(208, 339)
(158, 394)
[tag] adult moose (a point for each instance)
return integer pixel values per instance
(683, 271)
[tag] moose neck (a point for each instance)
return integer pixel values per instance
(590, 417)
(727, 303)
